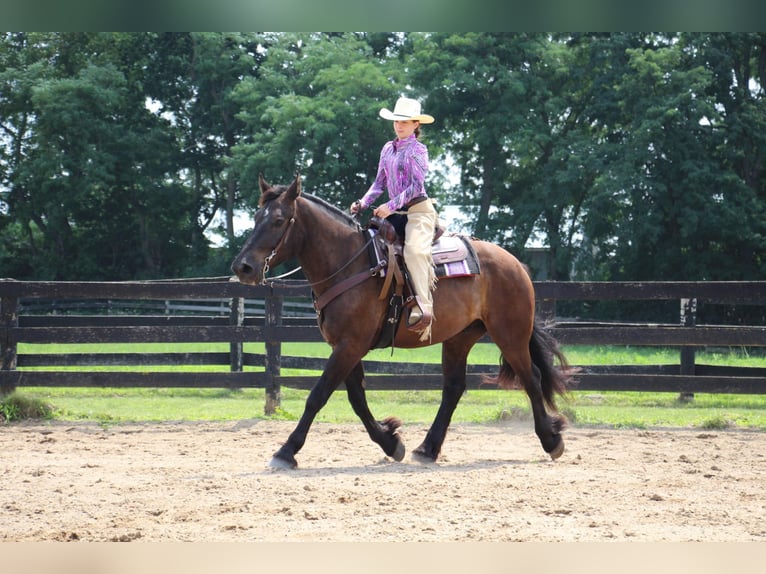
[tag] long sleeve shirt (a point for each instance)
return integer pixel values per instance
(401, 171)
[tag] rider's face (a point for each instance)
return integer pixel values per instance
(405, 128)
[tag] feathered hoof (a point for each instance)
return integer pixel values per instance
(419, 455)
(391, 426)
(280, 463)
(398, 454)
(558, 450)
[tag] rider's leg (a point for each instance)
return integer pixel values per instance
(418, 237)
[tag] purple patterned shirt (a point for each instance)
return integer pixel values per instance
(401, 171)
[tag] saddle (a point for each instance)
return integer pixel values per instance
(453, 256)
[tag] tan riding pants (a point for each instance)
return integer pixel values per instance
(418, 237)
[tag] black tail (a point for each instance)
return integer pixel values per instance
(545, 351)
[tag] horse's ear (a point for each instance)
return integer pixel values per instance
(262, 183)
(295, 188)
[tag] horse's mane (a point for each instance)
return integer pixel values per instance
(337, 213)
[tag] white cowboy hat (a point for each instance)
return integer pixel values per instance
(406, 109)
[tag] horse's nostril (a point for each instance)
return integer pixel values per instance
(242, 268)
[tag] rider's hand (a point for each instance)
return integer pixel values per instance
(355, 208)
(382, 211)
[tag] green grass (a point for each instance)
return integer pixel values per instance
(610, 409)
(19, 406)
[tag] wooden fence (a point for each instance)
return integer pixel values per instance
(237, 314)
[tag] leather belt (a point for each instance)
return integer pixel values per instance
(415, 201)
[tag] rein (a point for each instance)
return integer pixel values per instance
(345, 265)
(333, 291)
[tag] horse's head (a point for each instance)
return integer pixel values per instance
(269, 242)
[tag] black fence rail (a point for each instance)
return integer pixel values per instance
(217, 310)
(216, 307)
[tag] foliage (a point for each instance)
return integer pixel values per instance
(313, 109)
(627, 156)
(681, 205)
(89, 181)
(16, 407)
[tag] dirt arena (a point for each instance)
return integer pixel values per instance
(210, 482)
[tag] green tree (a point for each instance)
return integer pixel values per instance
(628, 155)
(22, 65)
(314, 109)
(512, 105)
(737, 64)
(669, 205)
(192, 79)
(474, 86)
(93, 185)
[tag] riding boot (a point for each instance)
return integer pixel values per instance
(421, 315)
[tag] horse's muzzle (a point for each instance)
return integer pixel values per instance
(246, 272)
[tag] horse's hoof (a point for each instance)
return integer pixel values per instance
(558, 450)
(277, 462)
(398, 455)
(418, 455)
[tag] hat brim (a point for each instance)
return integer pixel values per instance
(387, 114)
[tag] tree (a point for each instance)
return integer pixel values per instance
(473, 85)
(92, 184)
(313, 109)
(23, 63)
(191, 80)
(669, 205)
(737, 64)
(512, 106)
(627, 155)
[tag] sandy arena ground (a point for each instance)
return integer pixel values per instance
(210, 482)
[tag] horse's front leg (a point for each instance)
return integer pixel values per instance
(338, 367)
(454, 361)
(386, 432)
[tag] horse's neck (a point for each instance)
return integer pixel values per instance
(328, 246)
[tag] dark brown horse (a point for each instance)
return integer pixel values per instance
(500, 301)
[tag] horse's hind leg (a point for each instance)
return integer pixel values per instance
(454, 360)
(385, 432)
(517, 362)
(548, 426)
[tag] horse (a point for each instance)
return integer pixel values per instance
(328, 244)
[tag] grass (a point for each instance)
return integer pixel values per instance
(603, 409)
(18, 406)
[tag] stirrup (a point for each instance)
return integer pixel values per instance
(419, 318)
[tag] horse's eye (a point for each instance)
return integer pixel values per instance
(279, 221)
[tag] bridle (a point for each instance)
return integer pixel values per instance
(281, 242)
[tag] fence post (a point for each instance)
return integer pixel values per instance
(688, 319)
(273, 308)
(9, 319)
(547, 310)
(236, 319)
